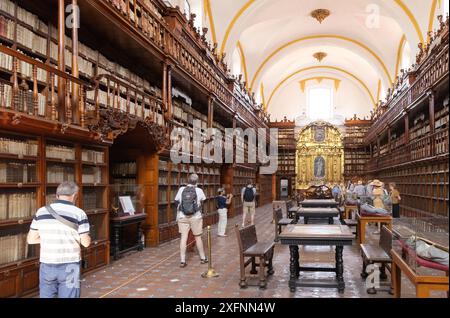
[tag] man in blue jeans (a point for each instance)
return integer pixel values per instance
(60, 228)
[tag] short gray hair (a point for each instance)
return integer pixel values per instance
(193, 179)
(67, 188)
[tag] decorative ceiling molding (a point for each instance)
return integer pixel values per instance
(319, 79)
(320, 14)
(322, 36)
(208, 11)
(372, 98)
(246, 6)
(319, 56)
(399, 56)
(243, 63)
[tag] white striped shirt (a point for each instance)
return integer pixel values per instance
(60, 244)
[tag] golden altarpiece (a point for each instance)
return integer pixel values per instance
(319, 156)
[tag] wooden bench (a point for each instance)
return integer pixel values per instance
(250, 248)
(280, 222)
(352, 224)
(378, 254)
(348, 209)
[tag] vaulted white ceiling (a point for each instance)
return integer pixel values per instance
(276, 40)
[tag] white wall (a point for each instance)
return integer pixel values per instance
(349, 99)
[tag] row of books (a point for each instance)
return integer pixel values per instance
(92, 200)
(60, 152)
(16, 172)
(88, 155)
(88, 57)
(13, 248)
(419, 131)
(24, 100)
(124, 168)
(60, 173)
(92, 175)
(17, 205)
(18, 147)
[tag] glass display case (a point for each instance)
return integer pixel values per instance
(422, 244)
(126, 199)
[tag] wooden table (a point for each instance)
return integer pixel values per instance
(348, 211)
(364, 220)
(319, 213)
(313, 203)
(118, 223)
(316, 235)
(423, 284)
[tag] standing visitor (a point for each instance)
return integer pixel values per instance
(360, 190)
(189, 200)
(395, 198)
(60, 228)
(248, 196)
(336, 191)
(223, 201)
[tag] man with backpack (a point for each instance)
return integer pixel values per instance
(189, 200)
(248, 197)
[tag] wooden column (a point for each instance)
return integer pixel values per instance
(164, 85)
(148, 177)
(389, 138)
(75, 67)
(169, 90)
(431, 102)
(378, 146)
(406, 115)
(210, 111)
(61, 60)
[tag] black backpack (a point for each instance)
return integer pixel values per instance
(189, 204)
(249, 195)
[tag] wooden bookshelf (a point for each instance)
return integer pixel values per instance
(30, 170)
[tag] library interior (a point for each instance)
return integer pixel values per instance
(112, 111)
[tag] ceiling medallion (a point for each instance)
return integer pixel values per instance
(320, 56)
(320, 14)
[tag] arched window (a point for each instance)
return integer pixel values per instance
(406, 56)
(320, 103)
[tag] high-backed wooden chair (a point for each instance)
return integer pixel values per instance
(280, 222)
(249, 250)
(378, 254)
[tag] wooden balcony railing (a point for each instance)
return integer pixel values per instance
(154, 29)
(40, 90)
(34, 89)
(424, 148)
(430, 73)
(109, 92)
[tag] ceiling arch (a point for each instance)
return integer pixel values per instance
(321, 36)
(327, 67)
(247, 6)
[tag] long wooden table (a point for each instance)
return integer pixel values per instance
(319, 213)
(316, 203)
(316, 235)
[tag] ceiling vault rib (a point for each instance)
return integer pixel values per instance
(243, 63)
(312, 37)
(246, 6)
(318, 67)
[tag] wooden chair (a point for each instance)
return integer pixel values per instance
(280, 222)
(250, 248)
(378, 254)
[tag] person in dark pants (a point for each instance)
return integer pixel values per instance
(395, 198)
(60, 228)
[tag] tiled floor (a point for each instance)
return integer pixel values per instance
(155, 272)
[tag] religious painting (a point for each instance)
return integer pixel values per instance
(319, 167)
(319, 134)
